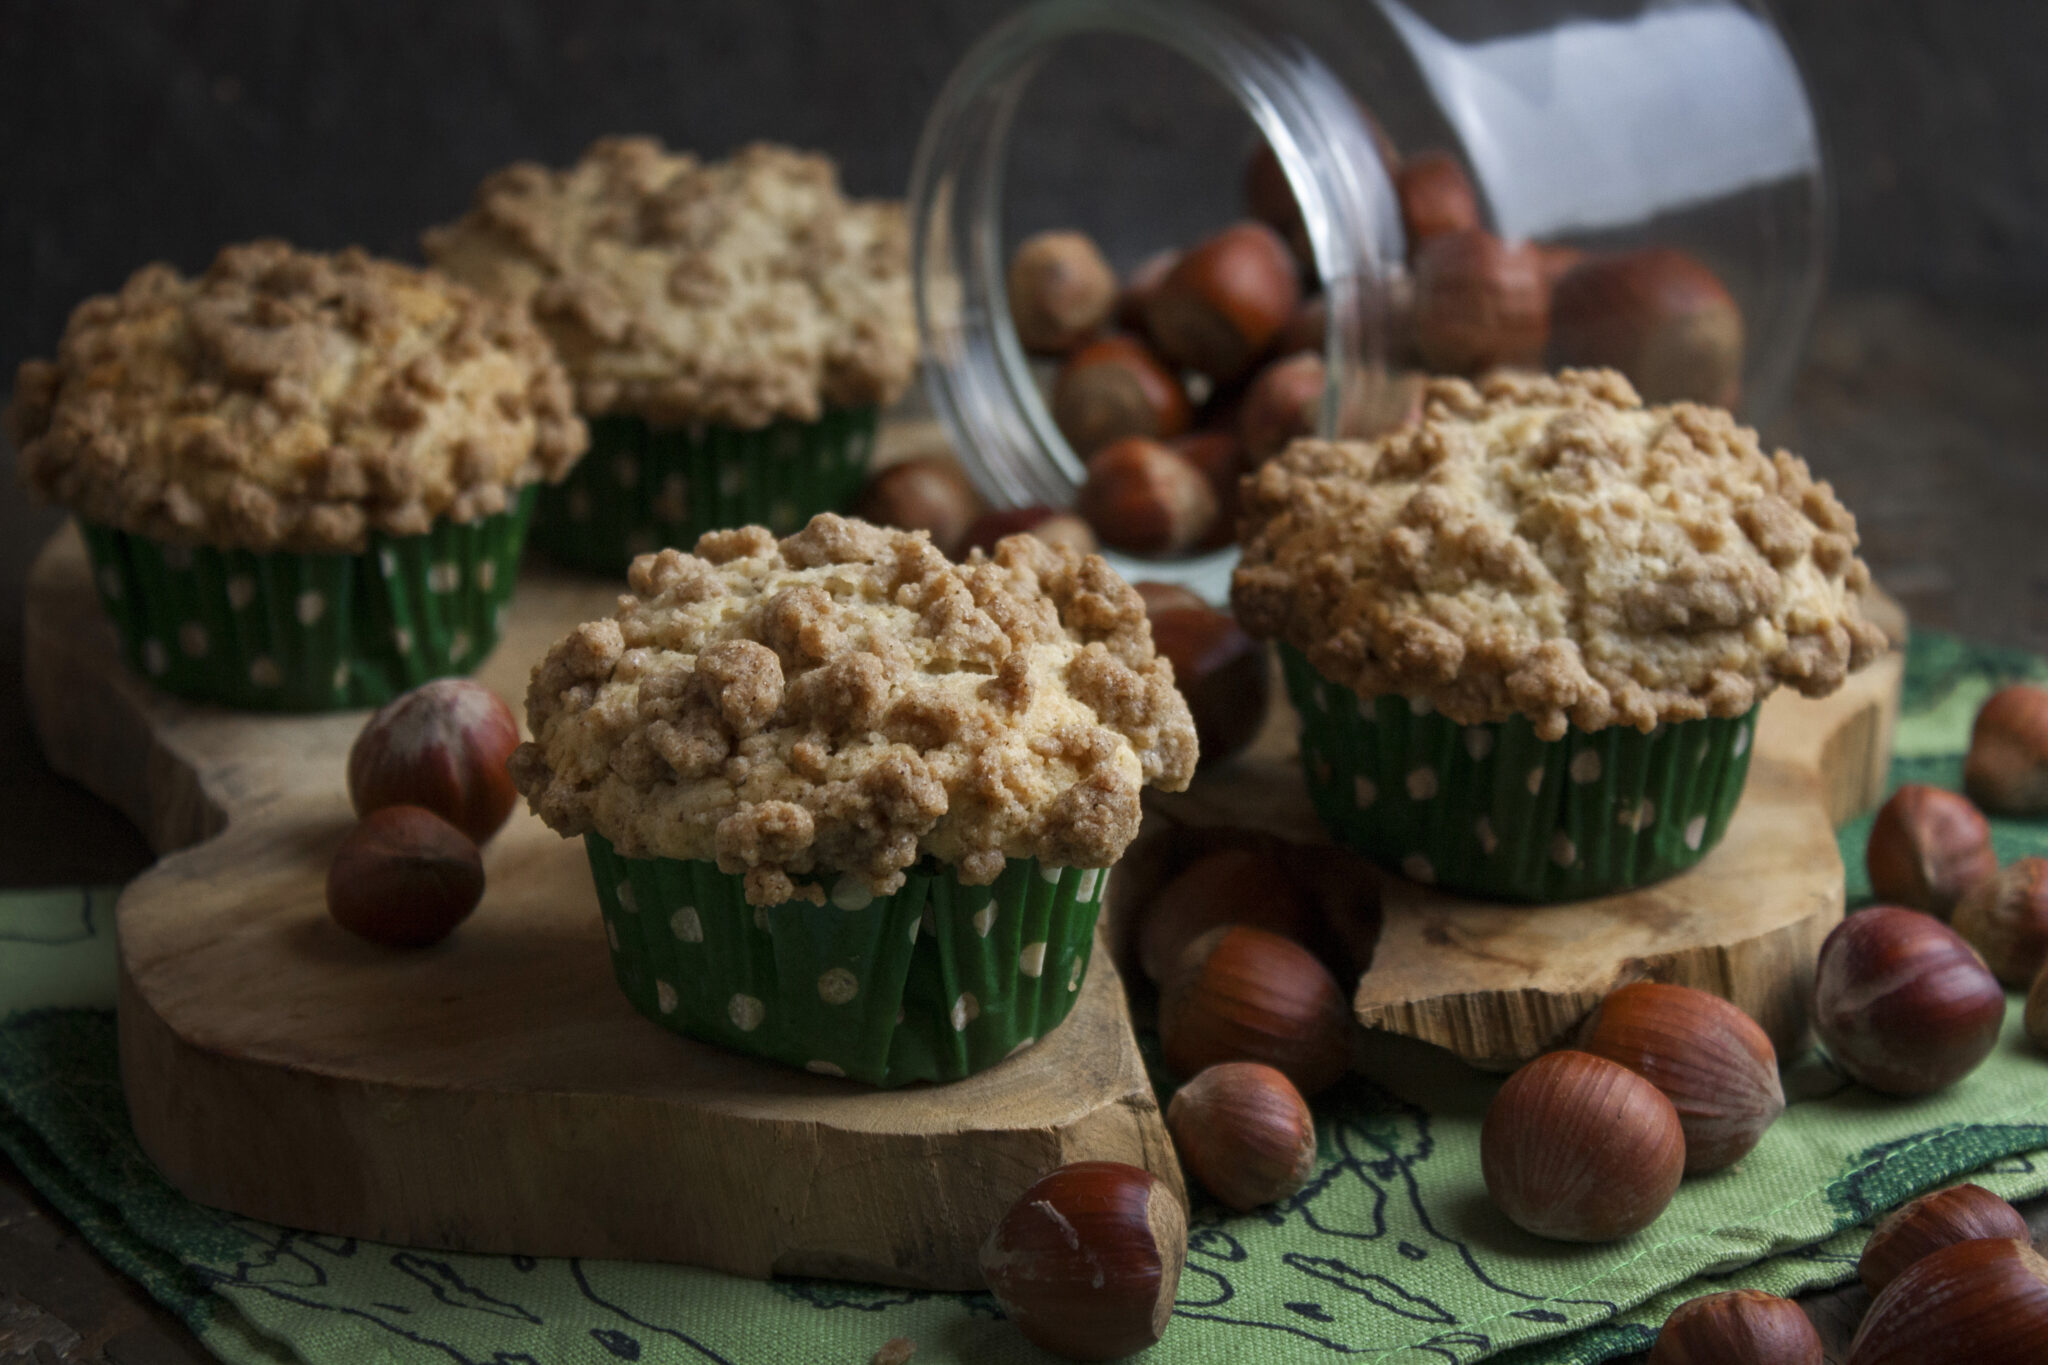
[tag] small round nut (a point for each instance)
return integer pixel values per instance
(1436, 197)
(1244, 1132)
(1223, 302)
(1061, 291)
(2005, 918)
(1962, 1213)
(2007, 767)
(1740, 1327)
(404, 877)
(1927, 847)
(1903, 1003)
(442, 745)
(1222, 673)
(1657, 315)
(1227, 886)
(1049, 524)
(1219, 456)
(929, 493)
(1242, 994)
(1479, 302)
(1142, 497)
(1284, 401)
(1113, 388)
(1983, 1302)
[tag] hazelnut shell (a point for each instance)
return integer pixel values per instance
(443, 746)
(1983, 1302)
(1962, 1213)
(1903, 1003)
(2006, 769)
(1244, 1132)
(404, 877)
(1740, 1327)
(1927, 847)
(1243, 994)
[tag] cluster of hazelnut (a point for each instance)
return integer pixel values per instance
(428, 781)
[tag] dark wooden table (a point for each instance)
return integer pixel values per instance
(1933, 426)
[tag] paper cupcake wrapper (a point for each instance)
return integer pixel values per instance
(645, 487)
(309, 632)
(935, 982)
(1492, 810)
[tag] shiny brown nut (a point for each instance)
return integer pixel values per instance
(1159, 596)
(1479, 302)
(1244, 1132)
(1143, 498)
(1115, 388)
(930, 493)
(1139, 288)
(1974, 1303)
(2007, 766)
(442, 745)
(1270, 199)
(1559, 260)
(404, 877)
(1221, 671)
(1658, 316)
(1927, 847)
(1244, 995)
(1912, 1232)
(1219, 455)
(1740, 1327)
(1243, 885)
(1221, 305)
(1436, 197)
(1061, 291)
(1903, 1003)
(1050, 524)
(1307, 327)
(1284, 401)
(2005, 918)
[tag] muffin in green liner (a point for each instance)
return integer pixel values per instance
(1492, 810)
(848, 804)
(1527, 636)
(642, 487)
(303, 480)
(731, 328)
(305, 632)
(931, 983)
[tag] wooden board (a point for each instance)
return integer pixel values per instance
(497, 1093)
(1497, 983)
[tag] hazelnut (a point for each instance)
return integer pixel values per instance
(2007, 767)
(1228, 886)
(1219, 455)
(1283, 402)
(1143, 498)
(1580, 1149)
(1306, 329)
(1740, 1327)
(1479, 302)
(1244, 1132)
(1927, 847)
(1088, 1259)
(1270, 199)
(1712, 1061)
(442, 745)
(1963, 1213)
(1116, 388)
(1436, 197)
(1242, 994)
(1221, 671)
(1985, 1302)
(1141, 286)
(2005, 918)
(1559, 260)
(1061, 291)
(930, 493)
(1049, 524)
(404, 877)
(1223, 302)
(1658, 316)
(1159, 596)
(1903, 1003)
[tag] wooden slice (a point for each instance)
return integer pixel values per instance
(497, 1093)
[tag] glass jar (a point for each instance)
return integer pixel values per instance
(1617, 133)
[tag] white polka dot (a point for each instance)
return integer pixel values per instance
(1074, 976)
(672, 503)
(731, 480)
(1417, 868)
(444, 577)
(1031, 961)
(1421, 706)
(665, 996)
(611, 932)
(627, 900)
(311, 606)
(761, 918)
(501, 616)
(851, 893)
(156, 660)
(1090, 879)
(578, 505)
(1741, 740)
(192, 639)
(686, 925)
(1050, 872)
(856, 448)
(1422, 784)
(985, 919)
(1706, 747)
(916, 924)
(110, 584)
(401, 639)
(745, 1012)
(263, 672)
(1586, 766)
(1478, 742)
(177, 557)
(387, 562)
(1363, 792)
(783, 516)
(1535, 781)
(341, 677)
(241, 591)
(1695, 831)
(1488, 840)
(626, 470)
(458, 647)
(825, 1068)
(1563, 851)
(837, 985)
(487, 574)
(787, 443)
(965, 1011)
(1639, 818)
(1022, 1043)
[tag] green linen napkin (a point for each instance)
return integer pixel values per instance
(1391, 1254)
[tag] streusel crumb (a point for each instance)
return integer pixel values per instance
(846, 701)
(1548, 546)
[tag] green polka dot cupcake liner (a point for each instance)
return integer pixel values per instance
(933, 983)
(309, 632)
(1492, 810)
(644, 487)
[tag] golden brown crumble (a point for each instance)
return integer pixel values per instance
(684, 291)
(1548, 546)
(847, 700)
(290, 401)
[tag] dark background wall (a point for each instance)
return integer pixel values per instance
(134, 131)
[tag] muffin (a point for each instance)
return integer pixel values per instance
(1528, 634)
(731, 328)
(847, 804)
(303, 480)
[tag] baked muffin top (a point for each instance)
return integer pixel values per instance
(819, 713)
(285, 400)
(1549, 547)
(684, 291)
